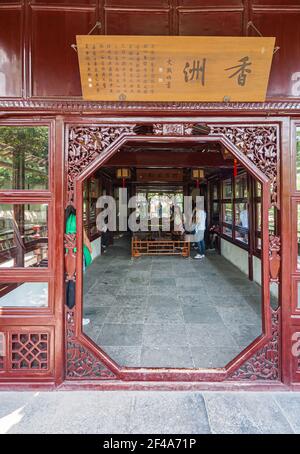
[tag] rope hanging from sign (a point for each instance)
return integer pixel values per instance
(97, 25)
(252, 25)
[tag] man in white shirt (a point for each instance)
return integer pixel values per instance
(199, 232)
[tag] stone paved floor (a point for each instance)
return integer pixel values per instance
(152, 412)
(170, 311)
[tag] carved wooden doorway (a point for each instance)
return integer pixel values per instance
(256, 146)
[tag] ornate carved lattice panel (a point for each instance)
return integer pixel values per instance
(81, 363)
(261, 145)
(274, 257)
(70, 256)
(172, 129)
(264, 364)
(86, 143)
(29, 351)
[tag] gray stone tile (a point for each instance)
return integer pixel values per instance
(234, 301)
(209, 335)
(128, 299)
(92, 331)
(245, 413)
(289, 404)
(162, 281)
(103, 289)
(132, 281)
(200, 299)
(124, 356)
(187, 271)
(190, 290)
(140, 290)
(137, 265)
(160, 290)
(13, 403)
(245, 334)
(188, 282)
(200, 314)
(164, 313)
(126, 314)
(103, 300)
(232, 316)
(75, 412)
(163, 290)
(166, 357)
(216, 289)
(213, 357)
(120, 334)
(120, 272)
(96, 314)
(110, 280)
(161, 273)
(169, 413)
(160, 335)
(163, 300)
(134, 273)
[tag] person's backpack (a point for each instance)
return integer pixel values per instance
(71, 228)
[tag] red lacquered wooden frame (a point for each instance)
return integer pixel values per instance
(161, 374)
(35, 319)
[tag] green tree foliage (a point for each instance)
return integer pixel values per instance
(23, 157)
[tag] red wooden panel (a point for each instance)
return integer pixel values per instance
(136, 22)
(284, 25)
(64, 2)
(55, 70)
(138, 3)
(272, 3)
(210, 23)
(10, 52)
(295, 352)
(215, 3)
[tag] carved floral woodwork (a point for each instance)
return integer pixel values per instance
(274, 257)
(260, 144)
(85, 144)
(172, 129)
(264, 364)
(80, 362)
(70, 256)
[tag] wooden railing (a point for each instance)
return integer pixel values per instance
(160, 247)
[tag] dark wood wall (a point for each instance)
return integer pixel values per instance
(36, 59)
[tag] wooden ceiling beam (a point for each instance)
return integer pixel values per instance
(171, 160)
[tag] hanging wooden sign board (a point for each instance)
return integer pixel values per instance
(174, 68)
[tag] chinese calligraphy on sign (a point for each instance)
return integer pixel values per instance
(174, 68)
(241, 70)
(195, 71)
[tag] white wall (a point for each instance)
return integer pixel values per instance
(239, 258)
(235, 255)
(257, 276)
(96, 247)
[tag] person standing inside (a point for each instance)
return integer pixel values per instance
(199, 232)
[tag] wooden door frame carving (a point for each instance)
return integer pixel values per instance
(256, 146)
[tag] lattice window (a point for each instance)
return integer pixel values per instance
(2, 350)
(30, 351)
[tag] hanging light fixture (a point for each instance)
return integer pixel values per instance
(124, 174)
(197, 175)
